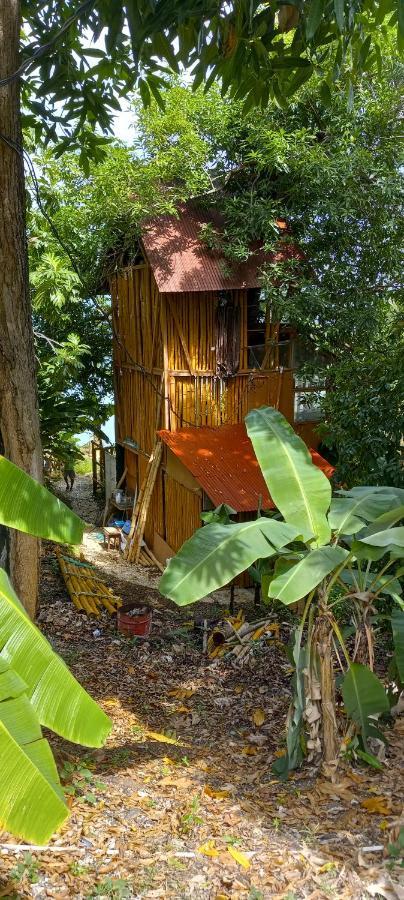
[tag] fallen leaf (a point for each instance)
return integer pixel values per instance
(181, 693)
(258, 716)
(162, 738)
(240, 857)
(208, 849)
(181, 710)
(249, 750)
(378, 805)
(215, 795)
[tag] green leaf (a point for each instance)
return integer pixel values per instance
(31, 800)
(347, 513)
(397, 625)
(299, 580)
(27, 506)
(314, 18)
(294, 753)
(364, 696)
(216, 553)
(299, 489)
(369, 758)
(58, 699)
(389, 537)
(368, 489)
(400, 11)
(339, 13)
(384, 521)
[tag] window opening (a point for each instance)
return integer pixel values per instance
(227, 335)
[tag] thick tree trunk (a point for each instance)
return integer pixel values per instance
(19, 425)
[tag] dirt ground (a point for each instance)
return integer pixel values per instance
(181, 803)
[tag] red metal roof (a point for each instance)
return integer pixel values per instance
(224, 463)
(181, 261)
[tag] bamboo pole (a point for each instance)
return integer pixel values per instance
(139, 522)
(165, 364)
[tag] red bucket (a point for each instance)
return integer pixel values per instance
(134, 620)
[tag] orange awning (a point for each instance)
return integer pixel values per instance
(224, 463)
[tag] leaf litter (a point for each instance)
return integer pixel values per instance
(208, 821)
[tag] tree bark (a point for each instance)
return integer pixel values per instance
(19, 422)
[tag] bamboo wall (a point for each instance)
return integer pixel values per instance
(183, 509)
(165, 377)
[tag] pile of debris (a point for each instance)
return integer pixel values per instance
(234, 637)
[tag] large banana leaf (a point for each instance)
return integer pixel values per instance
(368, 489)
(299, 489)
(31, 800)
(27, 506)
(397, 625)
(348, 515)
(387, 520)
(58, 699)
(216, 553)
(299, 580)
(385, 584)
(386, 538)
(364, 696)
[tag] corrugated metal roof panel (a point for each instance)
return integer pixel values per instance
(224, 463)
(181, 261)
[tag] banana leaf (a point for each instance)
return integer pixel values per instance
(28, 506)
(216, 553)
(385, 584)
(384, 521)
(362, 489)
(299, 580)
(294, 752)
(364, 696)
(58, 699)
(386, 538)
(299, 489)
(348, 515)
(397, 625)
(31, 799)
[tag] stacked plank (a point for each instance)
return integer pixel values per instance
(86, 589)
(135, 537)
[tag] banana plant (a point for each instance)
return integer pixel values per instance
(325, 549)
(36, 687)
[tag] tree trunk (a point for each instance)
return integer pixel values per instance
(327, 684)
(19, 424)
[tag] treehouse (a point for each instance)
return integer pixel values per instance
(194, 351)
